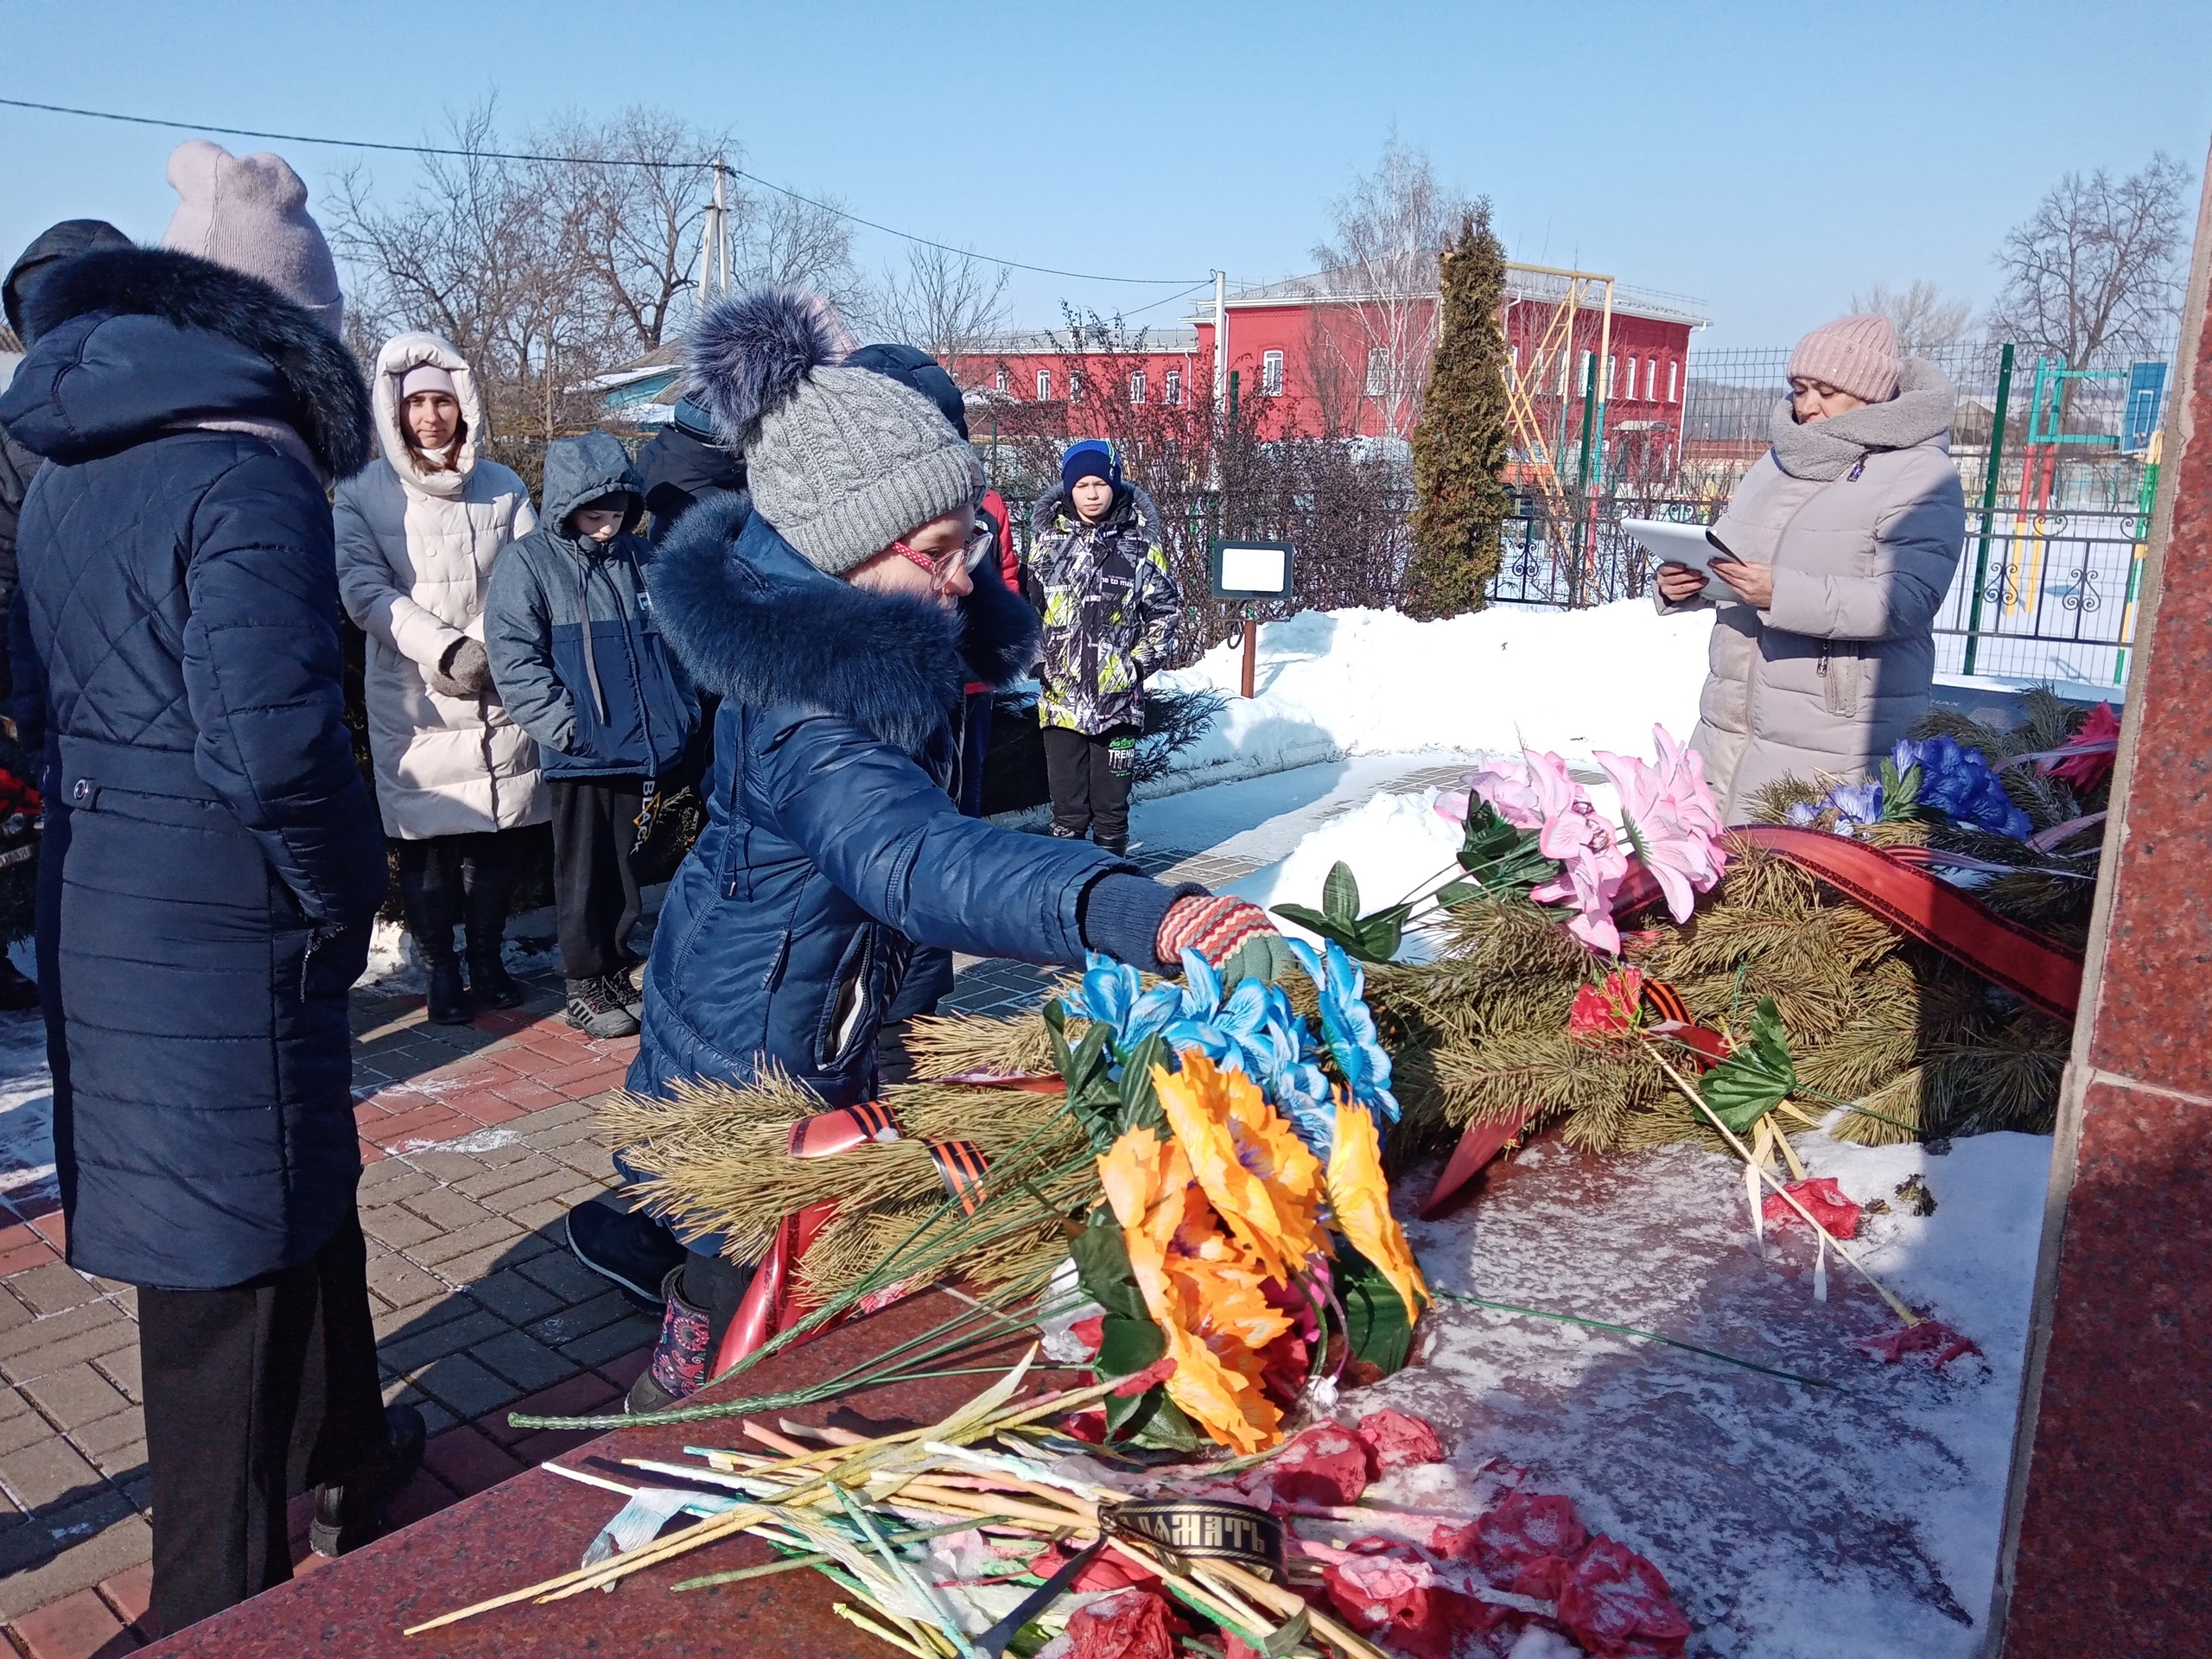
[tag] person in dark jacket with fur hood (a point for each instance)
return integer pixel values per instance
(223, 861)
(838, 611)
(18, 467)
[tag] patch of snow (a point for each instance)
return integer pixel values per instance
(1790, 1520)
(1398, 846)
(1334, 684)
(26, 1109)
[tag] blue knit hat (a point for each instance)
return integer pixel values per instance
(1090, 458)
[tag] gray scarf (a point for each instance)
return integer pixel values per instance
(1820, 450)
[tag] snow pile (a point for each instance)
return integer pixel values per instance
(1790, 1520)
(26, 1109)
(1362, 682)
(1397, 846)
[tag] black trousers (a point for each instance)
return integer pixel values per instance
(467, 879)
(595, 838)
(1090, 775)
(253, 1392)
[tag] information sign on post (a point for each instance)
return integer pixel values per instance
(1250, 571)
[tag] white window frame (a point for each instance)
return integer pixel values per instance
(1136, 385)
(1044, 386)
(1378, 372)
(1271, 374)
(1074, 384)
(1630, 394)
(1173, 390)
(1004, 379)
(1674, 385)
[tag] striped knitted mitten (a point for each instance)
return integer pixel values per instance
(1215, 926)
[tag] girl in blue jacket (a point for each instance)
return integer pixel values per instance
(838, 611)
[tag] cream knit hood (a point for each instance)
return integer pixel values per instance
(400, 353)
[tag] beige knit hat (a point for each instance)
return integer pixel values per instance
(1854, 354)
(251, 212)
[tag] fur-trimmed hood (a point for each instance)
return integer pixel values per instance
(135, 342)
(751, 620)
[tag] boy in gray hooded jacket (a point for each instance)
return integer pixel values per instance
(568, 628)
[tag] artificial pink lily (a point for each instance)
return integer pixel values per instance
(1672, 819)
(1592, 860)
(1506, 785)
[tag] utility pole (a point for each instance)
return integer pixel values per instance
(714, 240)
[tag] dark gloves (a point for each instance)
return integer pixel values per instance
(466, 671)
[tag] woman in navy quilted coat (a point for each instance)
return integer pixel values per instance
(224, 862)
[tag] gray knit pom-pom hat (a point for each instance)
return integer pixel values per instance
(844, 462)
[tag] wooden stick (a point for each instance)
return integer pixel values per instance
(1288, 1603)
(1787, 1197)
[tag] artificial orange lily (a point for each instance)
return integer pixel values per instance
(1361, 1200)
(1202, 1288)
(1252, 1169)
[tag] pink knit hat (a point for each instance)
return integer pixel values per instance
(251, 212)
(426, 377)
(1854, 354)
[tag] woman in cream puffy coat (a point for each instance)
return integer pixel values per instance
(455, 777)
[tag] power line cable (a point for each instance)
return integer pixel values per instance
(587, 161)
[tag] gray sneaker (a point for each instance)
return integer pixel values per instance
(596, 1010)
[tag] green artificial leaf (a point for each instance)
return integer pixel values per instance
(1377, 1327)
(1458, 893)
(1137, 1100)
(1365, 938)
(1168, 1428)
(1087, 1069)
(1102, 1267)
(1499, 856)
(1340, 896)
(1757, 1074)
(1130, 1415)
(1379, 934)
(1127, 1345)
(1900, 792)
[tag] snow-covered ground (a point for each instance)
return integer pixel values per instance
(1335, 683)
(1793, 1523)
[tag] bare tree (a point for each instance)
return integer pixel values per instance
(948, 302)
(2094, 273)
(790, 242)
(473, 254)
(638, 222)
(1920, 313)
(1390, 229)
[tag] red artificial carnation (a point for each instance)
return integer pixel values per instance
(1398, 1440)
(1929, 1336)
(1524, 1526)
(1387, 1591)
(1607, 1009)
(1090, 1332)
(1324, 1464)
(1137, 1382)
(1130, 1624)
(2085, 771)
(1540, 1577)
(1614, 1603)
(1819, 1194)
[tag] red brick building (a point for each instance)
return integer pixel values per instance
(1333, 362)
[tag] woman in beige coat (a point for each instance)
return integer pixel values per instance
(456, 778)
(1846, 536)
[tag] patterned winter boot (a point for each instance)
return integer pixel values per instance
(680, 1359)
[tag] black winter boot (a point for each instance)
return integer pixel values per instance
(484, 917)
(448, 1000)
(349, 1513)
(680, 1359)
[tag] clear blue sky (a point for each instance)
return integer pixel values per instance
(1767, 157)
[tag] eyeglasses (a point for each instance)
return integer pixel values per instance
(966, 556)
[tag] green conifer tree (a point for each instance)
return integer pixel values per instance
(1459, 444)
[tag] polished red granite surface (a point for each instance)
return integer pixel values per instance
(537, 1524)
(2114, 1553)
